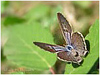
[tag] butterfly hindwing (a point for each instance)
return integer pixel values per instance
(78, 42)
(65, 28)
(68, 57)
(49, 47)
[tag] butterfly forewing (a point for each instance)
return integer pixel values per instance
(49, 47)
(78, 42)
(65, 27)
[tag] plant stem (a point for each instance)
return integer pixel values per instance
(59, 67)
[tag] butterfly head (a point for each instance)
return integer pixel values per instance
(68, 47)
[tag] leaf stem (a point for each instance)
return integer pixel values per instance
(59, 67)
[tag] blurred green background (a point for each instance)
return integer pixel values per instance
(23, 22)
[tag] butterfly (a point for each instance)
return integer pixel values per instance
(75, 47)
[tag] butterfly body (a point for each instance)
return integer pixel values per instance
(75, 47)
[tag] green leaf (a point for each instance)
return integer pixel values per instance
(82, 4)
(20, 48)
(38, 13)
(12, 20)
(95, 72)
(92, 57)
(54, 14)
(17, 72)
(51, 20)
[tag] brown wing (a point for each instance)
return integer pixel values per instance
(78, 42)
(65, 27)
(69, 57)
(49, 47)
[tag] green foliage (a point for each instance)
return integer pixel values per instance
(12, 20)
(82, 4)
(37, 13)
(17, 73)
(4, 4)
(95, 72)
(44, 15)
(92, 57)
(54, 14)
(21, 50)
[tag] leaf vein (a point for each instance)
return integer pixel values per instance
(41, 57)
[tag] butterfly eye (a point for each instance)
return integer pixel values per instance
(69, 48)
